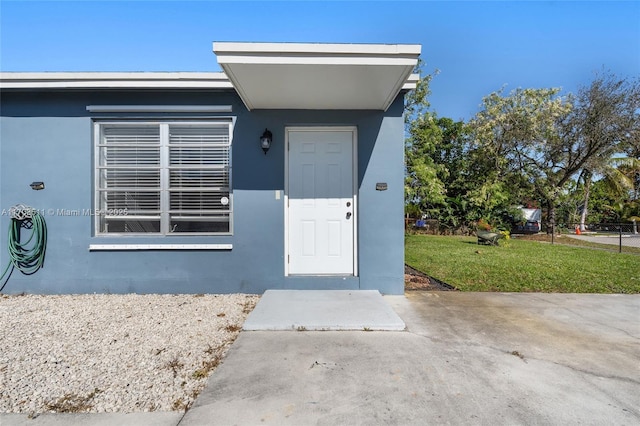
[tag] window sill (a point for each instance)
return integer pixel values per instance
(128, 247)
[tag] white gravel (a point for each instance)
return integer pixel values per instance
(112, 353)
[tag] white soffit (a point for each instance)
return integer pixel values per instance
(318, 76)
(114, 80)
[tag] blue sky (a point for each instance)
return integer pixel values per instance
(477, 46)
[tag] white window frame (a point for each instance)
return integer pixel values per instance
(164, 168)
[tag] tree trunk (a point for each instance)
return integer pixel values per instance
(587, 189)
(551, 216)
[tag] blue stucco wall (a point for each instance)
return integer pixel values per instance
(47, 136)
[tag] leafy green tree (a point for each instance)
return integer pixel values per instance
(436, 160)
(450, 157)
(600, 200)
(546, 140)
(445, 179)
(416, 102)
(605, 121)
(424, 191)
(519, 137)
(530, 144)
(617, 176)
(423, 187)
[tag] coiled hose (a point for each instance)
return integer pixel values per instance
(27, 257)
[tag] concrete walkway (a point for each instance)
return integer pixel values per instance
(323, 310)
(465, 358)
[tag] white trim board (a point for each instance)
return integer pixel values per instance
(111, 247)
(114, 80)
(281, 49)
(159, 108)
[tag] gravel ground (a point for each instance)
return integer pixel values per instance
(112, 353)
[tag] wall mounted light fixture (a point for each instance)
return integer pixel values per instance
(36, 186)
(265, 140)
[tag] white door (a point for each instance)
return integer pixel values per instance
(321, 211)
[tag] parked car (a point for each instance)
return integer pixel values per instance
(532, 224)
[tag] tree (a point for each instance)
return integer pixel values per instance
(445, 178)
(451, 156)
(423, 188)
(436, 167)
(547, 140)
(606, 121)
(629, 167)
(416, 102)
(519, 136)
(617, 176)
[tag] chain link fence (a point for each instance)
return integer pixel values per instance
(622, 235)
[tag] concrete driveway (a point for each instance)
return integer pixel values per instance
(466, 358)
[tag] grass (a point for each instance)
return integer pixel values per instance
(207, 367)
(72, 403)
(174, 365)
(522, 266)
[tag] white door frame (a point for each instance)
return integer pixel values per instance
(354, 167)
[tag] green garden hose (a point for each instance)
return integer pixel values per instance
(28, 256)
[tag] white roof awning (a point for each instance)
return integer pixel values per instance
(318, 76)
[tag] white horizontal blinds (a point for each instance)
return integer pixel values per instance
(129, 184)
(164, 177)
(199, 177)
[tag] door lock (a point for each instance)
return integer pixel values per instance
(348, 215)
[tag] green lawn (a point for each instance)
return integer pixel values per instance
(522, 266)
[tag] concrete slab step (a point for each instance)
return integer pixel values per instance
(323, 310)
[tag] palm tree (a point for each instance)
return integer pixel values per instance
(618, 174)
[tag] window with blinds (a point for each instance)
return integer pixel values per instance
(163, 178)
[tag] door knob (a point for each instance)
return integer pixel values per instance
(348, 215)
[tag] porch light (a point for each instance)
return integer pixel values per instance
(265, 141)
